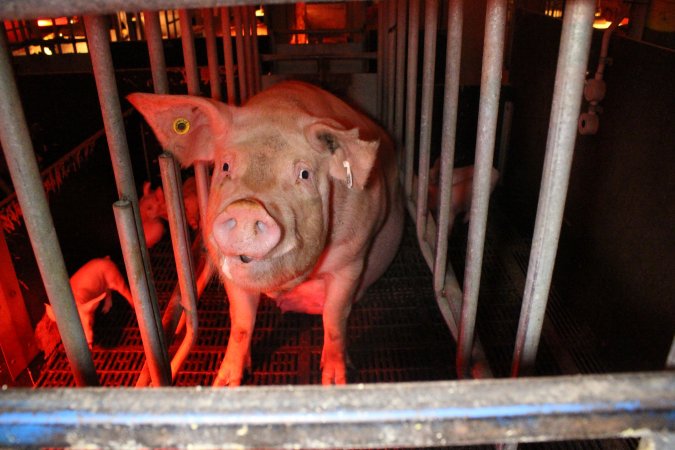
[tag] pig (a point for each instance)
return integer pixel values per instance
(152, 207)
(92, 284)
(304, 206)
(462, 189)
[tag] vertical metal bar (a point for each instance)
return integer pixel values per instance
(256, 52)
(241, 59)
(248, 67)
(153, 33)
(212, 54)
(411, 95)
(569, 82)
(130, 243)
(30, 193)
(401, 34)
(187, 38)
(493, 56)
(229, 60)
(101, 59)
(392, 31)
(182, 253)
(380, 59)
(670, 361)
(428, 68)
(453, 58)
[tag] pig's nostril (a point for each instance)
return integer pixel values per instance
(231, 223)
(260, 226)
(245, 259)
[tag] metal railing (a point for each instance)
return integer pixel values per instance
(416, 414)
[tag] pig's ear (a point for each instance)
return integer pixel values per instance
(351, 159)
(189, 127)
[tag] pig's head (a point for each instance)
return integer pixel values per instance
(276, 177)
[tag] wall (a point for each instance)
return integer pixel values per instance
(615, 264)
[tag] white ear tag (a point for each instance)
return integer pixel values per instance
(350, 182)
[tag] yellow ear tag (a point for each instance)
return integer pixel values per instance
(181, 126)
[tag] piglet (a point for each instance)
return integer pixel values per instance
(152, 207)
(92, 284)
(304, 205)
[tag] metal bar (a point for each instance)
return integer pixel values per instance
(436, 414)
(182, 253)
(256, 52)
(380, 59)
(401, 34)
(569, 82)
(212, 54)
(241, 58)
(246, 33)
(453, 58)
(26, 178)
(153, 32)
(101, 59)
(229, 60)
(30, 193)
(133, 261)
(428, 68)
(670, 360)
(392, 31)
(187, 37)
(411, 96)
(488, 112)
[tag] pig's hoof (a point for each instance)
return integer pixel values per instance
(333, 374)
(227, 379)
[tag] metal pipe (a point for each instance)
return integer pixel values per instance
(30, 193)
(411, 96)
(256, 52)
(380, 60)
(488, 112)
(229, 60)
(575, 43)
(453, 58)
(99, 48)
(187, 38)
(153, 31)
(212, 54)
(428, 414)
(428, 68)
(133, 261)
(248, 50)
(391, 62)
(241, 58)
(401, 34)
(182, 253)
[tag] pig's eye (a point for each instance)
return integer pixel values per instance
(304, 174)
(226, 167)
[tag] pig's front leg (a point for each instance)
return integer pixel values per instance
(340, 291)
(243, 308)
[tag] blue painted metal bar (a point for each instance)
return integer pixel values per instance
(354, 416)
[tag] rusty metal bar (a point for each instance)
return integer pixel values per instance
(453, 58)
(229, 60)
(575, 43)
(101, 59)
(392, 31)
(380, 59)
(257, 75)
(428, 68)
(411, 96)
(212, 54)
(433, 414)
(493, 56)
(248, 51)
(30, 193)
(182, 254)
(153, 31)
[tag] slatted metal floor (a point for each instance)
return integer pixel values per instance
(395, 333)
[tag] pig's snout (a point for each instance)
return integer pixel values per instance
(246, 230)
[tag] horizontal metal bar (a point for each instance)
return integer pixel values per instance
(32, 9)
(410, 414)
